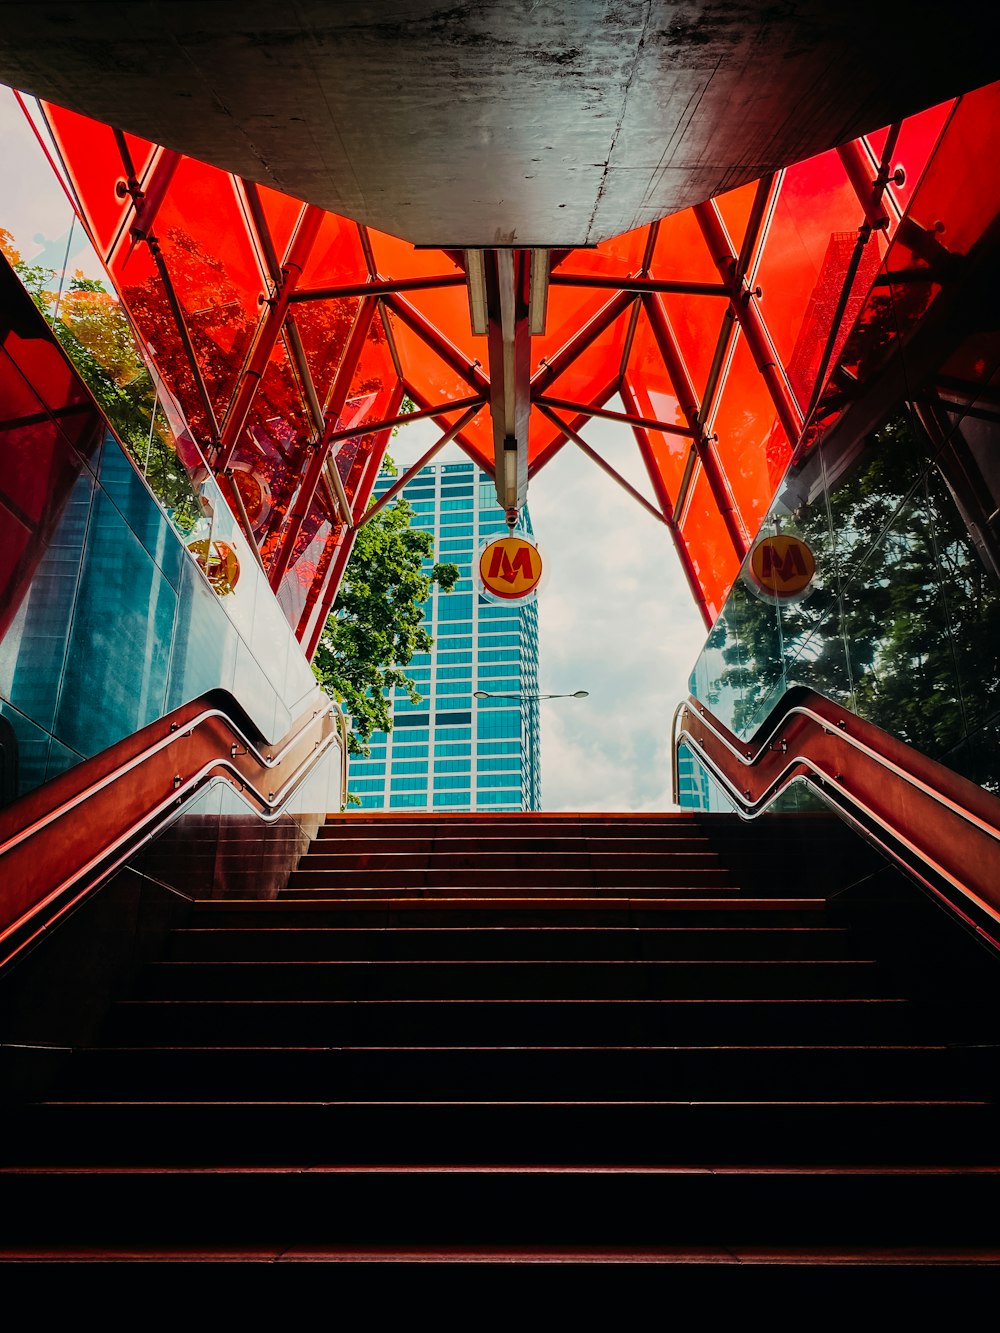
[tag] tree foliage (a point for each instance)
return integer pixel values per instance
(95, 332)
(375, 626)
(903, 625)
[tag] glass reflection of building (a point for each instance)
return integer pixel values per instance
(450, 751)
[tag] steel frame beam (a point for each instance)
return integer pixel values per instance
(201, 388)
(638, 285)
(146, 202)
(470, 371)
(579, 421)
(148, 205)
(338, 396)
(268, 332)
(688, 400)
(629, 418)
(551, 370)
(652, 236)
(603, 464)
(389, 423)
(744, 307)
(759, 222)
(758, 225)
(378, 287)
(421, 462)
(663, 496)
(867, 187)
(273, 267)
(509, 342)
(326, 594)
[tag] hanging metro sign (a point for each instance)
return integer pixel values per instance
(509, 568)
(781, 567)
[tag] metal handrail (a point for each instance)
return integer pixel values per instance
(922, 840)
(175, 735)
(344, 728)
(137, 796)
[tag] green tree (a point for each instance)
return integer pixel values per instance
(375, 626)
(95, 332)
(903, 624)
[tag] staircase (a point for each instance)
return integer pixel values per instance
(572, 1039)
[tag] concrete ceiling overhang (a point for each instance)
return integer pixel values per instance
(557, 123)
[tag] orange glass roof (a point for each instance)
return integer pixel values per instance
(290, 336)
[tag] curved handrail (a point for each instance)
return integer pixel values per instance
(95, 815)
(943, 829)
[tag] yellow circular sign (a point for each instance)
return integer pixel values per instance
(510, 568)
(782, 566)
(220, 563)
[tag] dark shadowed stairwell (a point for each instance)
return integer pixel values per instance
(678, 1041)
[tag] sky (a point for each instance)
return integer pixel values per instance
(615, 617)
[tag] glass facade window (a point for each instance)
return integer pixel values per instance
(452, 765)
(475, 641)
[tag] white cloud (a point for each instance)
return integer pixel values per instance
(615, 618)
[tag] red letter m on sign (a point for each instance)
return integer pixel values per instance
(784, 569)
(501, 566)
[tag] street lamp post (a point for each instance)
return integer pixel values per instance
(528, 732)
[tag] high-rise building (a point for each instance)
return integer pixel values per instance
(452, 751)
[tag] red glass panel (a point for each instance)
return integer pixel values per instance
(618, 257)
(281, 213)
(319, 592)
(655, 398)
(957, 198)
(40, 365)
(809, 348)
(568, 310)
(751, 447)
(952, 209)
(917, 138)
(324, 328)
(278, 431)
(399, 259)
(682, 255)
(596, 366)
(804, 259)
(303, 569)
(214, 271)
(735, 208)
(713, 559)
(447, 308)
(336, 258)
(424, 368)
(94, 164)
(40, 451)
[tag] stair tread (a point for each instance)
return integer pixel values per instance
(688, 1257)
(460, 1031)
(512, 1169)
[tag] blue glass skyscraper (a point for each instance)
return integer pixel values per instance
(452, 751)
